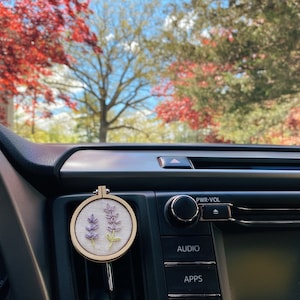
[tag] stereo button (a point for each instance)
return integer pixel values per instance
(188, 249)
(192, 280)
(216, 212)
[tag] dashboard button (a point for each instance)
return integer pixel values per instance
(192, 280)
(220, 211)
(174, 162)
(189, 249)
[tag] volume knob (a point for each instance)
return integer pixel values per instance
(183, 209)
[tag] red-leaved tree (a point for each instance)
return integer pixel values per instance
(177, 106)
(32, 39)
(241, 64)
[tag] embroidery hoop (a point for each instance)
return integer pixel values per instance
(102, 195)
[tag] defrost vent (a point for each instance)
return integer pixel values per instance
(238, 163)
(247, 163)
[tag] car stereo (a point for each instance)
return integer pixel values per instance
(192, 245)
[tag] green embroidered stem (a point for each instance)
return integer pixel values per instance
(111, 238)
(113, 224)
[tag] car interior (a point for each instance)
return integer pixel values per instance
(206, 222)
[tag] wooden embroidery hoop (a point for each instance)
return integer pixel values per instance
(102, 195)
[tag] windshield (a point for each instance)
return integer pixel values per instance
(151, 71)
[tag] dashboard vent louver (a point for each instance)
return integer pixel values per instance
(4, 284)
(245, 163)
(90, 279)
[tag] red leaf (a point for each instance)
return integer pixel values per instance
(32, 39)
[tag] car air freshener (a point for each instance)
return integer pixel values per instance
(103, 228)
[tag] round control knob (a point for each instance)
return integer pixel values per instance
(183, 209)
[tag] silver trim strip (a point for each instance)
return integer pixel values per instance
(185, 263)
(177, 296)
(217, 220)
(281, 222)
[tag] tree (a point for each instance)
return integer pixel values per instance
(119, 79)
(32, 40)
(177, 106)
(51, 122)
(57, 129)
(150, 130)
(253, 52)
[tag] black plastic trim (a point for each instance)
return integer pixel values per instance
(41, 164)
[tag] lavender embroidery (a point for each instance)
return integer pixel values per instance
(91, 229)
(113, 222)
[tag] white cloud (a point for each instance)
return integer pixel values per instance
(132, 47)
(61, 74)
(205, 34)
(186, 23)
(109, 37)
(58, 105)
(64, 119)
(169, 22)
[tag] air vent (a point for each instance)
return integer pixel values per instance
(91, 281)
(265, 216)
(4, 285)
(245, 163)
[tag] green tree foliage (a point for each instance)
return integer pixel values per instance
(244, 57)
(140, 127)
(119, 79)
(134, 127)
(57, 129)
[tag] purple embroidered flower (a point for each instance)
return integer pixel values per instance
(113, 222)
(91, 229)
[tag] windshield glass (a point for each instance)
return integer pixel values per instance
(196, 71)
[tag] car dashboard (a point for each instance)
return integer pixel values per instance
(206, 222)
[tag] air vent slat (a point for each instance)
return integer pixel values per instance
(91, 279)
(266, 214)
(86, 279)
(245, 163)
